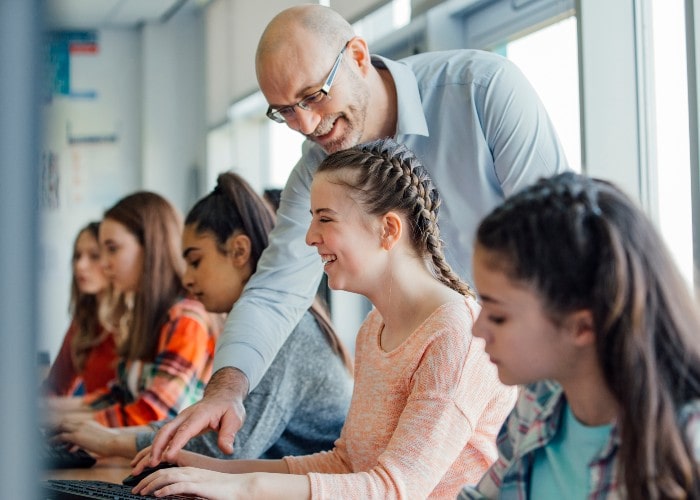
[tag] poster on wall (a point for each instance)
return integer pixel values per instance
(93, 172)
(83, 148)
(62, 47)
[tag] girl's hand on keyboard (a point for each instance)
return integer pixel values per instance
(142, 460)
(218, 485)
(193, 481)
(98, 439)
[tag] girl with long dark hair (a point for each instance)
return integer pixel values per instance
(583, 305)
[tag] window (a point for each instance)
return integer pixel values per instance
(672, 138)
(549, 59)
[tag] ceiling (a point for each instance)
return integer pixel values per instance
(100, 14)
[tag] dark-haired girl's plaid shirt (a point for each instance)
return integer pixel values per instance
(532, 424)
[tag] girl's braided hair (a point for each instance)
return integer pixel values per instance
(387, 176)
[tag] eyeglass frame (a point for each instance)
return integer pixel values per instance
(312, 99)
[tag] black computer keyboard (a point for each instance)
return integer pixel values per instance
(60, 456)
(75, 489)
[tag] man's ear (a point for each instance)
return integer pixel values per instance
(580, 324)
(392, 229)
(359, 53)
(238, 247)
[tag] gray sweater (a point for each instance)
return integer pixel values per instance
(298, 408)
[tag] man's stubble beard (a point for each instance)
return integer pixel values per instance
(358, 113)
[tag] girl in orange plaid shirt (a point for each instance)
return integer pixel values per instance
(167, 339)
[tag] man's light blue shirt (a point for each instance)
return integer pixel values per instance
(481, 131)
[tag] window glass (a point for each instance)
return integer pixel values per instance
(549, 59)
(555, 77)
(219, 153)
(285, 151)
(672, 138)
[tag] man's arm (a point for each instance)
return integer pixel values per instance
(282, 288)
(519, 131)
(272, 303)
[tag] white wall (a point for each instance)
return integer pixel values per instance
(173, 114)
(149, 98)
(91, 176)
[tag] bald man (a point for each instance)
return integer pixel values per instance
(471, 116)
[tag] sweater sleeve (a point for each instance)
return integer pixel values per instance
(179, 367)
(512, 430)
(334, 461)
(62, 377)
(265, 421)
(490, 483)
(297, 408)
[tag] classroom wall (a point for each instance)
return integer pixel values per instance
(132, 117)
(91, 155)
(173, 148)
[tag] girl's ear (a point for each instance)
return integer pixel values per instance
(582, 328)
(391, 229)
(238, 247)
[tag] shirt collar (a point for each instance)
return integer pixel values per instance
(549, 403)
(547, 400)
(410, 117)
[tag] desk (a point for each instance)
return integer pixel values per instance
(111, 469)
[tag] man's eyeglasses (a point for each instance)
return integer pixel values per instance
(281, 115)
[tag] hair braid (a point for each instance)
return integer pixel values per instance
(427, 203)
(388, 176)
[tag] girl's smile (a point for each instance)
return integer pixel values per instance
(345, 237)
